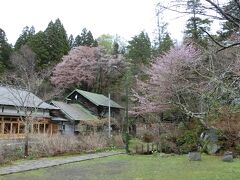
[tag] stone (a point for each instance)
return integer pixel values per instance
(228, 153)
(212, 148)
(194, 156)
(210, 137)
(227, 158)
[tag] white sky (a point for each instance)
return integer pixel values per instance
(125, 18)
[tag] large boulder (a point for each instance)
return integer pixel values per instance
(194, 156)
(228, 156)
(210, 139)
(212, 148)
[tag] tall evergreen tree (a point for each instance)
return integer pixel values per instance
(228, 28)
(5, 52)
(27, 33)
(166, 43)
(39, 44)
(139, 49)
(163, 41)
(195, 24)
(85, 39)
(57, 41)
(71, 41)
(115, 48)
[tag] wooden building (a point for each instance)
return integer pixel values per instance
(86, 111)
(78, 118)
(98, 104)
(16, 105)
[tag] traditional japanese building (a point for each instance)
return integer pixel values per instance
(87, 111)
(16, 105)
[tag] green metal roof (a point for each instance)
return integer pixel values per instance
(97, 99)
(75, 111)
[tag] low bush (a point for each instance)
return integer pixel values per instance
(148, 137)
(188, 141)
(10, 152)
(45, 145)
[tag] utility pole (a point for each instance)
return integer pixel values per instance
(109, 115)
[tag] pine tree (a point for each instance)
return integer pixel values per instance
(139, 49)
(195, 24)
(163, 41)
(5, 52)
(115, 48)
(71, 41)
(85, 39)
(39, 44)
(228, 28)
(27, 33)
(57, 41)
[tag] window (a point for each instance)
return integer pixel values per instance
(15, 128)
(47, 128)
(41, 128)
(22, 128)
(35, 128)
(7, 128)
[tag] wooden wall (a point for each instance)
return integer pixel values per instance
(14, 127)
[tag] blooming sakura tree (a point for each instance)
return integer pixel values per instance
(84, 65)
(189, 79)
(167, 79)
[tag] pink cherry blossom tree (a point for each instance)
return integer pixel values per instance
(166, 77)
(192, 80)
(85, 66)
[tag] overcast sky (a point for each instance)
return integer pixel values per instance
(123, 17)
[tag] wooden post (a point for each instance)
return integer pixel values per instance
(2, 128)
(147, 148)
(152, 147)
(38, 129)
(51, 129)
(11, 124)
(44, 128)
(142, 149)
(18, 125)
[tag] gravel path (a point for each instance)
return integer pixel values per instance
(43, 163)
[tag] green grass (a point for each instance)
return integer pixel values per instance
(139, 167)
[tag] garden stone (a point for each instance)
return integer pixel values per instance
(228, 156)
(194, 156)
(211, 137)
(228, 153)
(212, 148)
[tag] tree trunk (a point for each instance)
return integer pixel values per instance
(26, 140)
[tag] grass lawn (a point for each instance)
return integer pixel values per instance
(124, 167)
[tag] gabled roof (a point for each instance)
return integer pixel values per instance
(21, 98)
(97, 99)
(75, 111)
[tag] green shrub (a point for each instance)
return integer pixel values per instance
(188, 141)
(237, 148)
